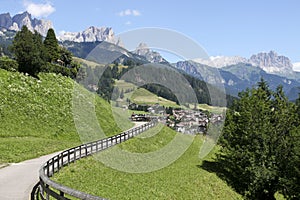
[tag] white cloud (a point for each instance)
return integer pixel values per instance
(128, 23)
(136, 13)
(38, 10)
(296, 67)
(129, 12)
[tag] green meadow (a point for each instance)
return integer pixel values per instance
(36, 116)
(183, 179)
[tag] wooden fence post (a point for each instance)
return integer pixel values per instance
(68, 156)
(47, 194)
(52, 166)
(47, 165)
(79, 151)
(62, 160)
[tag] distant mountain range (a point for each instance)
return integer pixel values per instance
(237, 77)
(103, 52)
(235, 73)
(16, 22)
(91, 34)
(270, 62)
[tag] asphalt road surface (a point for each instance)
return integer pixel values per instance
(17, 180)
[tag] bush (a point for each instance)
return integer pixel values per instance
(57, 69)
(8, 64)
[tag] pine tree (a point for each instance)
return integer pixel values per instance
(51, 46)
(39, 56)
(65, 56)
(27, 51)
(258, 143)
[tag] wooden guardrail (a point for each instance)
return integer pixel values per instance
(47, 188)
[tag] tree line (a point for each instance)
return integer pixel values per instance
(32, 54)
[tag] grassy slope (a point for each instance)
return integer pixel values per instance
(183, 179)
(87, 62)
(143, 96)
(36, 116)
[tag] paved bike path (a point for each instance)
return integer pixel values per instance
(17, 180)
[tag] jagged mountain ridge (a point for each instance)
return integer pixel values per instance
(152, 56)
(16, 22)
(103, 52)
(91, 34)
(270, 62)
(238, 77)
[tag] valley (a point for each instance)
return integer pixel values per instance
(221, 127)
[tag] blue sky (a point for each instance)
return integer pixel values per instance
(221, 27)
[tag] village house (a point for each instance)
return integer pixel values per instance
(193, 121)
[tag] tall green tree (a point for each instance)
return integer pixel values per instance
(38, 42)
(65, 56)
(106, 85)
(51, 46)
(27, 51)
(259, 144)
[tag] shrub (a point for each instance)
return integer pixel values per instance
(8, 64)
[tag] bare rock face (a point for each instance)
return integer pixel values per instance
(5, 20)
(151, 56)
(42, 26)
(91, 34)
(16, 23)
(272, 63)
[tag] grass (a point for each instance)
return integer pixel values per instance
(37, 118)
(16, 149)
(183, 179)
(123, 85)
(143, 96)
(121, 117)
(149, 141)
(212, 109)
(87, 62)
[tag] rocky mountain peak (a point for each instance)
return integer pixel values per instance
(152, 56)
(272, 63)
(5, 20)
(16, 22)
(91, 34)
(142, 49)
